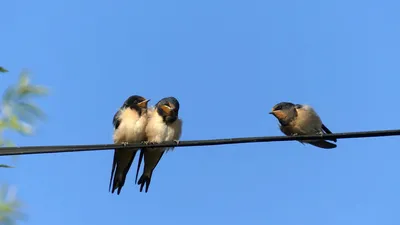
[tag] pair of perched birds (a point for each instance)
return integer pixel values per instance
(135, 123)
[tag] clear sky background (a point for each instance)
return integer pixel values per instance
(228, 62)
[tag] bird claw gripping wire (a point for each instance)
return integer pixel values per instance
(176, 142)
(124, 143)
(296, 134)
(148, 142)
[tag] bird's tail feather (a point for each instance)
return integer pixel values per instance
(151, 159)
(112, 171)
(322, 144)
(121, 168)
(139, 164)
(144, 180)
(327, 131)
(119, 181)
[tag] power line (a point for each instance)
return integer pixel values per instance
(79, 148)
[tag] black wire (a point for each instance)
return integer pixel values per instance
(79, 148)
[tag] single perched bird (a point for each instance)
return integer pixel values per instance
(301, 120)
(129, 126)
(163, 125)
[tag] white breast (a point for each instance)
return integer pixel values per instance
(158, 131)
(131, 128)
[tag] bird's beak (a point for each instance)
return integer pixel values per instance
(272, 112)
(143, 104)
(166, 109)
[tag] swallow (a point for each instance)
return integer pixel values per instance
(298, 119)
(163, 125)
(129, 126)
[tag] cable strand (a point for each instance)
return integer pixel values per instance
(25, 150)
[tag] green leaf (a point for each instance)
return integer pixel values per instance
(26, 129)
(13, 122)
(9, 207)
(3, 124)
(29, 110)
(5, 166)
(17, 112)
(23, 79)
(8, 95)
(3, 70)
(24, 91)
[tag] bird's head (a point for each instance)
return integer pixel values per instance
(284, 112)
(136, 102)
(168, 109)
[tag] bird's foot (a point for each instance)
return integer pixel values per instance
(295, 134)
(124, 143)
(176, 142)
(148, 142)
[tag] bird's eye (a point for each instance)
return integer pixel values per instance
(279, 107)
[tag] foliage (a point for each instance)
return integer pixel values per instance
(17, 113)
(9, 206)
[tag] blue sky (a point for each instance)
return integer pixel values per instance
(228, 63)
